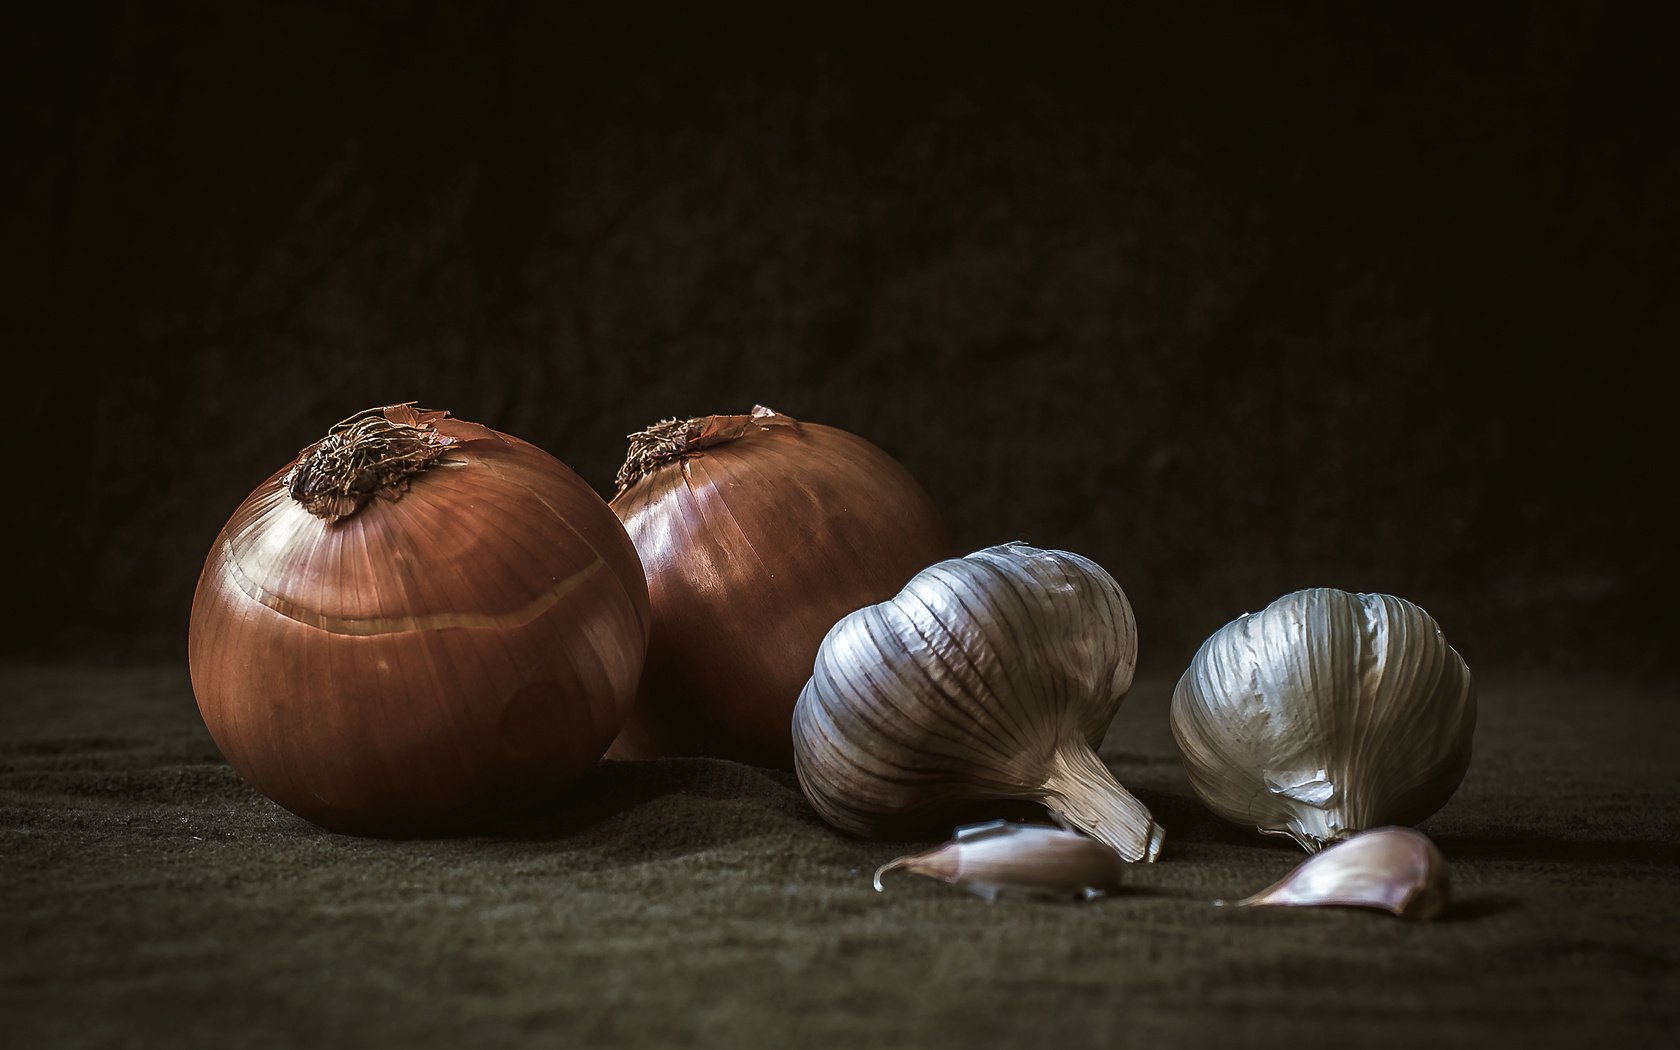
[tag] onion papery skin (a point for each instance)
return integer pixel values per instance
(755, 542)
(431, 661)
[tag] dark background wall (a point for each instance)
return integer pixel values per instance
(1235, 299)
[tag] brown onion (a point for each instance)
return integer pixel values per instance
(417, 624)
(757, 533)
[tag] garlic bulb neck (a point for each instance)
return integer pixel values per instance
(1313, 829)
(1082, 792)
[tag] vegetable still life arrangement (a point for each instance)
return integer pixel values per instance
(420, 624)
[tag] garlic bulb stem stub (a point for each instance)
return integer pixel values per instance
(990, 677)
(1325, 714)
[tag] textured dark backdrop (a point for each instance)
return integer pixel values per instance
(1234, 299)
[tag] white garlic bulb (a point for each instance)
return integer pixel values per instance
(989, 677)
(1325, 714)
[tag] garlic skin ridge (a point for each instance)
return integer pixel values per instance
(988, 677)
(1325, 714)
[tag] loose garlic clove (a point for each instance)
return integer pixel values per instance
(990, 677)
(1000, 857)
(1325, 714)
(1395, 869)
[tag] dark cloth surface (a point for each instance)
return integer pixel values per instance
(149, 897)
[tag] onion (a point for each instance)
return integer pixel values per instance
(417, 625)
(757, 533)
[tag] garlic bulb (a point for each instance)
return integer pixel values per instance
(1325, 714)
(987, 677)
(1397, 870)
(999, 857)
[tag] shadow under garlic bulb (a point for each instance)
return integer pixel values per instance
(1325, 714)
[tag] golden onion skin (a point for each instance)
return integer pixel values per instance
(429, 661)
(756, 540)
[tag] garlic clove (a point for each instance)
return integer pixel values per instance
(1324, 714)
(1397, 870)
(987, 678)
(1027, 859)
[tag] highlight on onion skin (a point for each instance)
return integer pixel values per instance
(430, 647)
(757, 532)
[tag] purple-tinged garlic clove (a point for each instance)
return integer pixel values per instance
(1395, 869)
(1029, 859)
